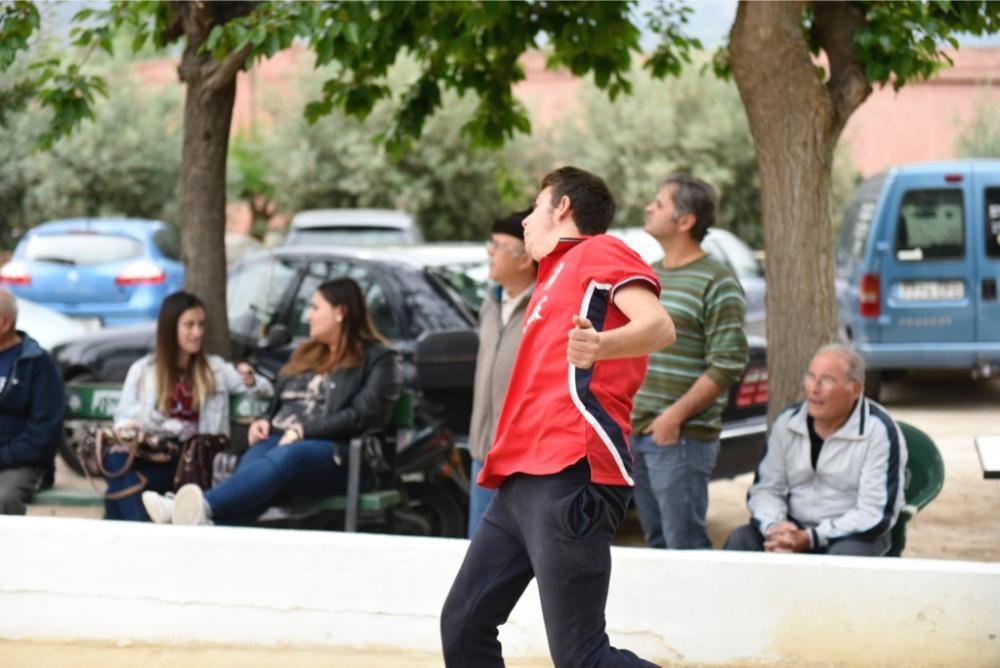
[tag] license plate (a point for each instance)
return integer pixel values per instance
(930, 291)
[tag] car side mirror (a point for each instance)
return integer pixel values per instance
(276, 337)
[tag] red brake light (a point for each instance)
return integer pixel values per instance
(952, 178)
(752, 389)
(15, 273)
(140, 273)
(869, 299)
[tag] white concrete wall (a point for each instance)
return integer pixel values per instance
(71, 579)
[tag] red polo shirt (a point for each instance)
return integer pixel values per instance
(555, 414)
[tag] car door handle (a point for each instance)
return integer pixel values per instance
(989, 289)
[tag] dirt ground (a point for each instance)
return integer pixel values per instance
(83, 655)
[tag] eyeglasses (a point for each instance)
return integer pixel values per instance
(494, 247)
(825, 382)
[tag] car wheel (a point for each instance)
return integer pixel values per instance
(73, 435)
(438, 505)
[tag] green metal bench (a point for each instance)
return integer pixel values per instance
(92, 404)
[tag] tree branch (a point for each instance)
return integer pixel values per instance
(834, 26)
(224, 72)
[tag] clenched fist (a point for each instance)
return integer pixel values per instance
(584, 342)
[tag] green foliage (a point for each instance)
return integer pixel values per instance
(462, 47)
(981, 137)
(694, 125)
(903, 40)
(126, 161)
(18, 22)
(453, 190)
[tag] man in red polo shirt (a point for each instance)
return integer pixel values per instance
(561, 459)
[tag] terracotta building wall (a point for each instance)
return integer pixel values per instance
(922, 121)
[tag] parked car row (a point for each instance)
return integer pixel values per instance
(411, 292)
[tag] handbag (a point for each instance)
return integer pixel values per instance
(197, 459)
(98, 443)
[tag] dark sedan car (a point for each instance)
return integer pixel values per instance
(267, 297)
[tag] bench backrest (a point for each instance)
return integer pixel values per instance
(98, 401)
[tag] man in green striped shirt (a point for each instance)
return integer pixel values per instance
(677, 414)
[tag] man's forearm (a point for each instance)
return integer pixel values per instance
(649, 329)
(636, 338)
(698, 397)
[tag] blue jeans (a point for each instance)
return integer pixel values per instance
(304, 468)
(671, 490)
(479, 497)
(159, 477)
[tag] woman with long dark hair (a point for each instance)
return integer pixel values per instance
(173, 394)
(339, 384)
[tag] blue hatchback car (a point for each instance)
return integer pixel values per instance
(111, 271)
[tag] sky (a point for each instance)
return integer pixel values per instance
(710, 21)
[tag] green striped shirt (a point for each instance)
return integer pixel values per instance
(707, 306)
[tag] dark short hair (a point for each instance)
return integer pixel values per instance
(591, 201)
(697, 197)
(511, 225)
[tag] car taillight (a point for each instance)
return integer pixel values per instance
(141, 273)
(15, 273)
(752, 390)
(868, 296)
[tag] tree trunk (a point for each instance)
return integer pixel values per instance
(795, 119)
(208, 113)
(207, 116)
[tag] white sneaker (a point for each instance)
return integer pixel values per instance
(159, 508)
(190, 506)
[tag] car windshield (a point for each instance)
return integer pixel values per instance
(254, 290)
(81, 249)
(348, 236)
(423, 309)
(468, 281)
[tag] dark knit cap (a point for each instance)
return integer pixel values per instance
(511, 224)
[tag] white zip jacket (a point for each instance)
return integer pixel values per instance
(138, 398)
(857, 488)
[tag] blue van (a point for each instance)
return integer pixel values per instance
(918, 262)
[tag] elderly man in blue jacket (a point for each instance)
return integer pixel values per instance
(31, 412)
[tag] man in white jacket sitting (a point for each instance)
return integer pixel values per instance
(831, 479)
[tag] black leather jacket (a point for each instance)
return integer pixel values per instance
(361, 399)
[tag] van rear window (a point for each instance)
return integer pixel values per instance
(931, 225)
(992, 219)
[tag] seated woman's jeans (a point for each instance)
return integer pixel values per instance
(160, 479)
(303, 468)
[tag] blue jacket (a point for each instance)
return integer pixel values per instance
(31, 409)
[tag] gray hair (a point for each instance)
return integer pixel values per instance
(8, 304)
(697, 197)
(855, 362)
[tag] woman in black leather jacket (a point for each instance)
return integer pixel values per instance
(340, 383)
